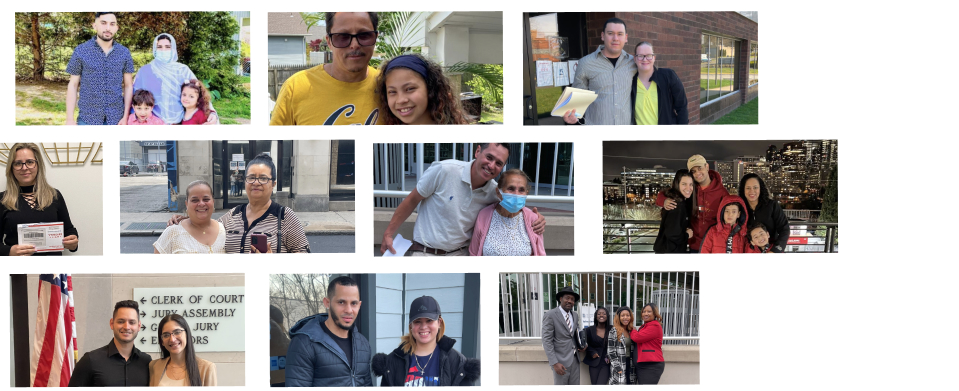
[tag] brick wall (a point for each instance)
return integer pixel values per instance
(677, 41)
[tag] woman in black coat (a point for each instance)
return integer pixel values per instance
(596, 356)
(674, 231)
(670, 93)
(425, 356)
(765, 210)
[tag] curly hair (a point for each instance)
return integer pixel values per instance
(203, 95)
(763, 190)
(443, 108)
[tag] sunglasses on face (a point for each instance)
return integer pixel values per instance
(342, 40)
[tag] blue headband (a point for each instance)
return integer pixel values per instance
(412, 62)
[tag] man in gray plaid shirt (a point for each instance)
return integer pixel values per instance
(609, 72)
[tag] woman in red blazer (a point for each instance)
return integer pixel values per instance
(649, 344)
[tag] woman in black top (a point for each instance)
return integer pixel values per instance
(765, 210)
(30, 199)
(674, 231)
(596, 356)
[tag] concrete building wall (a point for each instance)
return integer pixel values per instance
(96, 294)
(486, 48)
(194, 163)
(311, 179)
(526, 364)
(82, 189)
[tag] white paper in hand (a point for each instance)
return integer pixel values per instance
(400, 245)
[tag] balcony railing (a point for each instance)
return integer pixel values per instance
(638, 236)
(529, 199)
(525, 297)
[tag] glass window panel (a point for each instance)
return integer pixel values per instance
(704, 71)
(285, 164)
(563, 165)
(345, 158)
(714, 69)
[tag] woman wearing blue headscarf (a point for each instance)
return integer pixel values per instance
(164, 78)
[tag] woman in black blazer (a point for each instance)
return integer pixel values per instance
(595, 355)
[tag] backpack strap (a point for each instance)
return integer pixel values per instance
(279, 229)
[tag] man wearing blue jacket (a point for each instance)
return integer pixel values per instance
(325, 349)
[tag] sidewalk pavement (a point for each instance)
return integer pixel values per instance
(314, 223)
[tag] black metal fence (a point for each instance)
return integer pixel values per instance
(638, 236)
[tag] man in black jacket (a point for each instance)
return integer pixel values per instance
(325, 349)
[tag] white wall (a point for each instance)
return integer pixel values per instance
(486, 48)
(82, 189)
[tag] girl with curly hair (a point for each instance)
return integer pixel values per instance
(413, 90)
(196, 102)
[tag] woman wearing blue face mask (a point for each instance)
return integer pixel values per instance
(164, 77)
(506, 228)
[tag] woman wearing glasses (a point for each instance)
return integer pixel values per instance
(198, 234)
(30, 199)
(262, 226)
(178, 365)
(658, 96)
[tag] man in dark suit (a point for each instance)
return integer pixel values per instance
(561, 342)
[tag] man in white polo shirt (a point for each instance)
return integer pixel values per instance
(450, 195)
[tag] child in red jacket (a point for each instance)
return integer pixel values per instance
(729, 234)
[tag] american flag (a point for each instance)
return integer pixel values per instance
(56, 339)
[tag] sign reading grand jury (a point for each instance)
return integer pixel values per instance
(216, 316)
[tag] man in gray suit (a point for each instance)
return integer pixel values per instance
(561, 327)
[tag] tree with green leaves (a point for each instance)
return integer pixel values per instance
(213, 53)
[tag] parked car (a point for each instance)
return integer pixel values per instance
(129, 168)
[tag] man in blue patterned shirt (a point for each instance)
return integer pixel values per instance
(103, 72)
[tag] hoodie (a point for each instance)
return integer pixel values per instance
(707, 201)
(315, 360)
(727, 238)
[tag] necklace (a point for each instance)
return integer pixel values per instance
(194, 226)
(416, 359)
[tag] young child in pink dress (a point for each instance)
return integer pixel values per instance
(143, 108)
(196, 103)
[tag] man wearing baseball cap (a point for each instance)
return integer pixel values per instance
(425, 356)
(708, 196)
(561, 326)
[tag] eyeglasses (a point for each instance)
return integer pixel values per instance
(176, 333)
(263, 180)
(342, 40)
(29, 163)
(646, 57)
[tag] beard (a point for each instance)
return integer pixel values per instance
(105, 39)
(338, 322)
(119, 336)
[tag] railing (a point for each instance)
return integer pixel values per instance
(530, 198)
(525, 297)
(638, 236)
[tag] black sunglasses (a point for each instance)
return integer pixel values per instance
(342, 40)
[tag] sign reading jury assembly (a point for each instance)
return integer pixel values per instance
(216, 316)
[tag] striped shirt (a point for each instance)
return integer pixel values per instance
(239, 230)
(612, 86)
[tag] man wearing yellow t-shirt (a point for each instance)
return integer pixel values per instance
(339, 93)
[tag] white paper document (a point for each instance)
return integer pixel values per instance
(400, 245)
(46, 237)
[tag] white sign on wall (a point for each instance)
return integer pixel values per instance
(216, 316)
(238, 157)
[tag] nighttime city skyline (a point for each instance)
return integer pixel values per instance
(673, 154)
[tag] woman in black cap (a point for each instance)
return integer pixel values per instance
(425, 356)
(596, 344)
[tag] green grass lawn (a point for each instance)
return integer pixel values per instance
(230, 109)
(712, 83)
(747, 114)
(490, 116)
(545, 100)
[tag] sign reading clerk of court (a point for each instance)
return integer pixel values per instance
(216, 316)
